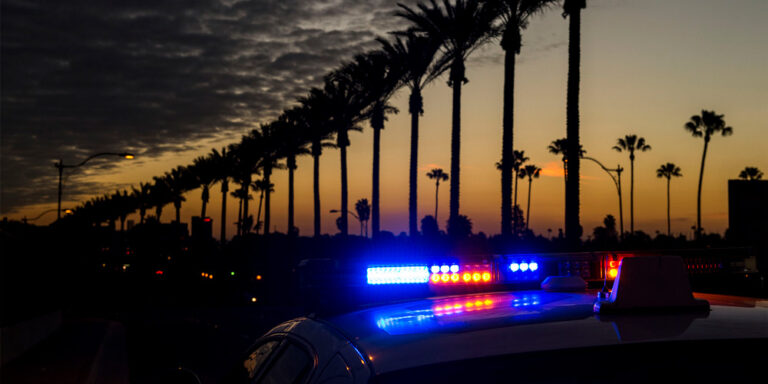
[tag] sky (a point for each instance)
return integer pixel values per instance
(171, 80)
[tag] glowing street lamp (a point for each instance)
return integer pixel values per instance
(60, 166)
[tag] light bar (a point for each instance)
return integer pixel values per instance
(415, 274)
(465, 274)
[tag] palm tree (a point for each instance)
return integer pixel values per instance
(160, 195)
(416, 56)
(514, 15)
(204, 172)
(247, 156)
(462, 27)
(378, 77)
(178, 180)
(363, 214)
(223, 162)
(705, 125)
(573, 230)
(143, 199)
(314, 113)
(530, 171)
(345, 102)
(668, 170)
(520, 160)
(240, 195)
(438, 175)
(751, 173)
(293, 143)
(262, 186)
(270, 136)
(560, 147)
(631, 143)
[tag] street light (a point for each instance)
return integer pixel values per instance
(25, 220)
(60, 166)
(616, 182)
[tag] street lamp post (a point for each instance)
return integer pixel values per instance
(60, 166)
(617, 182)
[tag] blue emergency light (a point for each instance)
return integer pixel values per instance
(525, 268)
(412, 274)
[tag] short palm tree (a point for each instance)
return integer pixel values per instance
(363, 215)
(462, 27)
(520, 160)
(143, 199)
(179, 181)
(572, 10)
(751, 173)
(530, 171)
(438, 175)
(705, 125)
(415, 54)
(668, 171)
(262, 186)
(631, 143)
(514, 15)
(160, 196)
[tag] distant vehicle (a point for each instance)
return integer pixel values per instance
(648, 328)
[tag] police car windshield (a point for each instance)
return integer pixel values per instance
(701, 361)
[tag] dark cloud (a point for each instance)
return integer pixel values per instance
(152, 77)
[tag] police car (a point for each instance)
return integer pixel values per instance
(649, 327)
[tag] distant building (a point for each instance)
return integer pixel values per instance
(748, 211)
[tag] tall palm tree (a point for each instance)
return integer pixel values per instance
(179, 180)
(530, 171)
(315, 116)
(270, 136)
(572, 10)
(262, 186)
(293, 142)
(631, 143)
(223, 162)
(415, 55)
(143, 199)
(247, 157)
(160, 195)
(514, 16)
(668, 170)
(346, 103)
(239, 194)
(751, 173)
(560, 147)
(438, 175)
(378, 77)
(204, 172)
(462, 27)
(705, 125)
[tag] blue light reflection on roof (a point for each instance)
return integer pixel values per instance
(468, 312)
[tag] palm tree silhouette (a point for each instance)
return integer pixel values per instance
(572, 10)
(438, 175)
(705, 125)
(143, 199)
(178, 180)
(520, 160)
(514, 16)
(631, 143)
(751, 173)
(363, 214)
(668, 170)
(160, 196)
(379, 77)
(462, 27)
(240, 194)
(247, 156)
(223, 162)
(319, 132)
(262, 186)
(416, 56)
(293, 142)
(530, 171)
(270, 135)
(204, 172)
(560, 147)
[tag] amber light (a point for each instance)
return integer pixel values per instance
(613, 272)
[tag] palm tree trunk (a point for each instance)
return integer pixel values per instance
(142, 212)
(224, 190)
(290, 199)
(457, 74)
(267, 205)
(437, 187)
(669, 221)
(415, 109)
(344, 192)
(528, 210)
(178, 211)
(632, 195)
(573, 228)
(205, 200)
(258, 212)
(621, 208)
(240, 217)
(698, 194)
(316, 192)
(244, 218)
(507, 147)
(377, 123)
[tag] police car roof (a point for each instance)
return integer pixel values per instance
(451, 328)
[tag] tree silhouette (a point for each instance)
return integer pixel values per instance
(530, 171)
(560, 147)
(751, 173)
(363, 214)
(178, 180)
(514, 15)
(204, 173)
(631, 143)
(572, 10)
(247, 155)
(292, 141)
(416, 56)
(223, 162)
(461, 27)
(143, 199)
(668, 171)
(262, 186)
(438, 175)
(705, 125)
